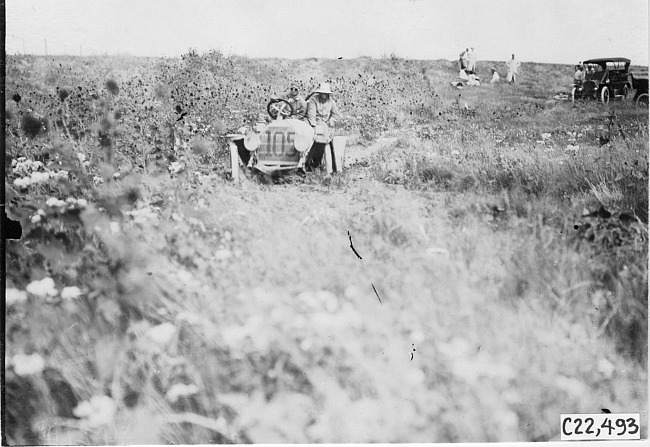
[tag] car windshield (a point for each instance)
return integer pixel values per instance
(594, 71)
(616, 65)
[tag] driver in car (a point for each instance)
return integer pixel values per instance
(297, 101)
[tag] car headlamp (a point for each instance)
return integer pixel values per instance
(252, 141)
(304, 136)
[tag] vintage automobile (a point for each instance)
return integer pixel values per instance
(604, 78)
(640, 85)
(284, 145)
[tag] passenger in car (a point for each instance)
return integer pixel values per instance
(321, 109)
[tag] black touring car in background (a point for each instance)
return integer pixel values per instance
(604, 78)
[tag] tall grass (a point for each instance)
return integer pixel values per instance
(553, 184)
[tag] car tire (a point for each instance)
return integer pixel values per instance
(604, 95)
(642, 100)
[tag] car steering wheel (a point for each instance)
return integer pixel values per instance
(280, 106)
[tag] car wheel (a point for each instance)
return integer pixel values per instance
(604, 95)
(642, 100)
(572, 95)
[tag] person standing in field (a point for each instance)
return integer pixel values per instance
(321, 110)
(471, 60)
(513, 69)
(297, 101)
(579, 75)
(462, 59)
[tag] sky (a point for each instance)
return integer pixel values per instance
(554, 31)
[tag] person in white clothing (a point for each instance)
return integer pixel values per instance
(471, 60)
(513, 69)
(495, 76)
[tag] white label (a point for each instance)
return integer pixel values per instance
(587, 427)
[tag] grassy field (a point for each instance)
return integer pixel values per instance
(503, 234)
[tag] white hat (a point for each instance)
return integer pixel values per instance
(324, 87)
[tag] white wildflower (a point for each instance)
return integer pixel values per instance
(81, 157)
(24, 166)
(181, 390)
(39, 177)
(606, 368)
(175, 167)
(162, 333)
(328, 300)
(36, 218)
(70, 293)
(72, 202)
(546, 136)
(83, 410)
(25, 365)
(44, 287)
(100, 410)
(15, 296)
(55, 203)
(23, 182)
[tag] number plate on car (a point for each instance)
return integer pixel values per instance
(276, 144)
